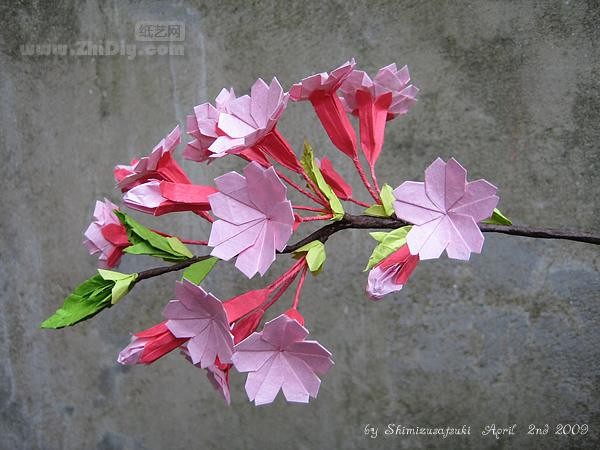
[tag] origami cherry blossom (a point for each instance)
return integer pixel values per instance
(163, 197)
(159, 165)
(106, 235)
(279, 357)
(198, 316)
(320, 89)
(375, 101)
(256, 218)
(392, 273)
(445, 210)
(202, 126)
(149, 345)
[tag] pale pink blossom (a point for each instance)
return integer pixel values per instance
(200, 317)
(391, 274)
(279, 357)
(249, 118)
(106, 235)
(159, 165)
(445, 210)
(149, 345)
(256, 218)
(202, 126)
(324, 82)
(387, 80)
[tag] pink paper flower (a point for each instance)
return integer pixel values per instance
(256, 218)
(376, 101)
(320, 89)
(445, 210)
(249, 118)
(279, 357)
(163, 197)
(159, 165)
(392, 273)
(202, 126)
(198, 316)
(106, 235)
(388, 80)
(149, 345)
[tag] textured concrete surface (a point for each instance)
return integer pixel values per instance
(509, 88)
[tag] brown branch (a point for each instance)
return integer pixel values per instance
(368, 222)
(157, 271)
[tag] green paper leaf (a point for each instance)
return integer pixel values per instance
(87, 300)
(387, 199)
(197, 272)
(146, 242)
(498, 219)
(314, 173)
(315, 256)
(388, 244)
(376, 210)
(386, 209)
(122, 283)
(379, 236)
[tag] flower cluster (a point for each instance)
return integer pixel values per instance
(252, 220)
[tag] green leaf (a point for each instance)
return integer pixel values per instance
(146, 242)
(387, 199)
(498, 219)
(379, 236)
(386, 209)
(122, 283)
(314, 173)
(87, 300)
(376, 210)
(388, 244)
(315, 256)
(197, 272)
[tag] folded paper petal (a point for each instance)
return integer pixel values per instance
(391, 274)
(200, 317)
(149, 345)
(106, 235)
(445, 210)
(255, 218)
(278, 358)
(158, 165)
(163, 197)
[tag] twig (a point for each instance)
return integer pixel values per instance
(368, 222)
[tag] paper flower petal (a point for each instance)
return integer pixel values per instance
(255, 218)
(279, 358)
(445, 210)
(200, 317)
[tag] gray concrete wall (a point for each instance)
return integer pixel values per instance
(509, 88)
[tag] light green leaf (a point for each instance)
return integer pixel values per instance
(498, 219)
(379, 236)
(387, 199)
(122, 283)
(386, 209)
(197, 272)
(388, 244)
(146, 242)
(376, 210)
(178, 247)
(314, 173)
(315, 256)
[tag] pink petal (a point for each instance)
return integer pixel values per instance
(229, 240)
(478, 202)
(430, 239)
(413, 205)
